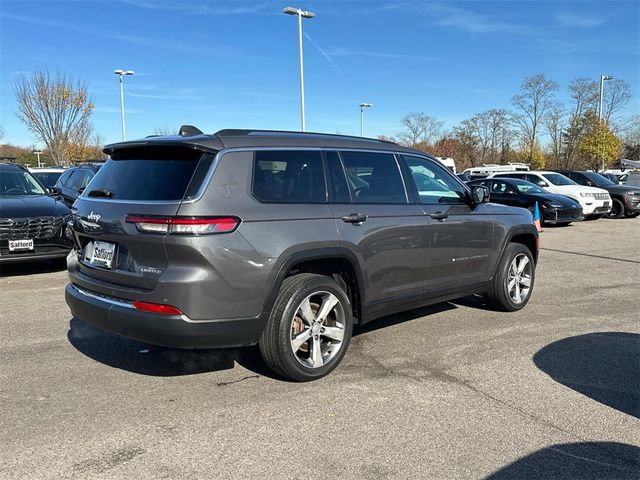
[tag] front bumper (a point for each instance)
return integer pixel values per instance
(44, 249)
(562, 215)
(176, 331)
(632, 204)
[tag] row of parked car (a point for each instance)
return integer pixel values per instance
(563, 196)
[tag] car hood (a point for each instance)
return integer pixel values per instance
(22, 206)
(578, 188)
(621, 189)
(563, 200)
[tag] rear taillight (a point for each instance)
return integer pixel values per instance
(183, 225)
(156, 308)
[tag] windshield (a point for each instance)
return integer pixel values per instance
(598, 179)
(48, 179)
(152, 173)
(526, 187)
(19, 183)
(557, 179)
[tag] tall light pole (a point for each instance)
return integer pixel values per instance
(362, 107)
(122, 74)
(602, 79)
(38, 153)
(300, 13)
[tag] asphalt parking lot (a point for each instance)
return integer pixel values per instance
(451, 391)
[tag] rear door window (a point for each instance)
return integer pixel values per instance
(374, 177)
(289, 176)
(152, 173)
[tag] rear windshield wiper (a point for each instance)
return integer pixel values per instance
(100, 193)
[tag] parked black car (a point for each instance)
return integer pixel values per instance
(32, 222)
(72, 182)
(626, 200)
(554, 208)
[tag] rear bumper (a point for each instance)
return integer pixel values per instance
(176, 331)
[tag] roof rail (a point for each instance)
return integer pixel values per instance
(189, 131)
(233, 132)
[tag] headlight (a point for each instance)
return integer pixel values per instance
(587, 194)
(552, 205)
(634, 193)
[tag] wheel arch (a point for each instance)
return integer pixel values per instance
(335, 262)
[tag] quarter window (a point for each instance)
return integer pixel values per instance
(433, 182)
(374, 177)
(289, 176)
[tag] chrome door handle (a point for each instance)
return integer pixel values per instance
(354, 218)
(439, 215)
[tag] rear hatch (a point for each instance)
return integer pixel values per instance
(147, 182)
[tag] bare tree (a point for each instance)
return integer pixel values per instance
(57, 110)
(584, 94)
(617, 94)
(1, 133)
(534, 99)
(165, 131)
(555, 122)
(420, 129)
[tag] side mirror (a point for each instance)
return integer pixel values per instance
(542, 183)
(55, 191)
(479, 194)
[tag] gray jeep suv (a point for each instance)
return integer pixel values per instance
(283, 239)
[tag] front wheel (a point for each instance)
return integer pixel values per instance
(617, 209)
(309, 328)
(512, 285)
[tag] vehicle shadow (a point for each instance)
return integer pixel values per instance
(583, 461)
(34, 267)
(604, 366)
(402, 317)
(138, 357)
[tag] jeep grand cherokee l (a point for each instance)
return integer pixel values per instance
(286, 240)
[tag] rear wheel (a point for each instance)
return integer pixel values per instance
(512, 285)
(617, 209)
(309, 329)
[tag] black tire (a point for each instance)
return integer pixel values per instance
(617, 209)
(499, 295)
(632, 215)
(276, 345)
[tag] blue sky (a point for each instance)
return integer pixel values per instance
(219, 64)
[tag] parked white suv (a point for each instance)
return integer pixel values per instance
(595, 202)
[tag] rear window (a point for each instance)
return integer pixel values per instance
(166, 173)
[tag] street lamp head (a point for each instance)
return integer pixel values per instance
(119, 72)
(123, 72)
(298, 11)
(366, 105)
(607, 77)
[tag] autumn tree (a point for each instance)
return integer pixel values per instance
(599, 146)
(531, 103)
(57, 109)
(419, 129)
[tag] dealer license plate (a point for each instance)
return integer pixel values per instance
(20, 245)
(102, 254)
